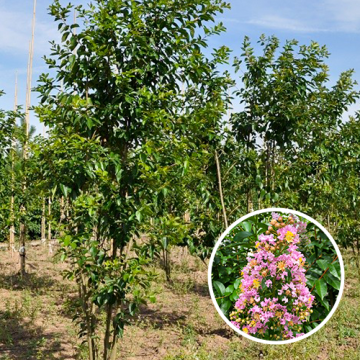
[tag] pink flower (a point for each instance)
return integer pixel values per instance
(284, 274)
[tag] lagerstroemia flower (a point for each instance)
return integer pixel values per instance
(274, 300)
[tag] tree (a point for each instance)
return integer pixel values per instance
(121, 76)
(7, 128)
(290, 114)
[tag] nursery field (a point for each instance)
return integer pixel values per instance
(35, 318)
(148, 129)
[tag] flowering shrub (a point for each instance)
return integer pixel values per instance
(276, 278)
(274, 297)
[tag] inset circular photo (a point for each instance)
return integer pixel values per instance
(276, 276)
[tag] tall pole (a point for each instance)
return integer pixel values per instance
(218, 170)
(43, 220)
(12, 201)
(22, 251)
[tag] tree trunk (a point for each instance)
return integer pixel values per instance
(107, 344)
(49, 222)
(62, 215)
(88, 311)
(12, 227)
(22, 251)
(167, 265)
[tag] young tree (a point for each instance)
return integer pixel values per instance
(290, 113)
(121, 74)
(7, 122)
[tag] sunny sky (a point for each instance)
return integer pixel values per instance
(333, 23)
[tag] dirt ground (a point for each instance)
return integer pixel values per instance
(35, 321)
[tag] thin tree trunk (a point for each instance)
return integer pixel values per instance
(12, 226)
(62, 215)
(220, 188)
(22, 251)
(88, 318)
(43, 222)
(110, 308)
(49, 221)
(107, 345)
(114, 348)
(49, 226)
(167, 265)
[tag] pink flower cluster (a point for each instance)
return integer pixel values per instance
(274, 300)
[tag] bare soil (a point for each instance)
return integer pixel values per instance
(183, 323)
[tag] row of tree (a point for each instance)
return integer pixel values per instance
(140, 143)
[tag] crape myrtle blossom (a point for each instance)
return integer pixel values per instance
(274, 300)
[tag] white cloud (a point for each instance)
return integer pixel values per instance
(345, 14)
(307, 16)
(15, 32)
(283, 23)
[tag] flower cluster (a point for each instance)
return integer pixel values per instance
(274, 300)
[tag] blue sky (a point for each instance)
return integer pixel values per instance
(334, 23)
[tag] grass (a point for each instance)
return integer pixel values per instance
(35, 319)
(337, 339)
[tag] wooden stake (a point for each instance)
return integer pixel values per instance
(12, 201)
(220, 188)
(74, 29)
(22, 251)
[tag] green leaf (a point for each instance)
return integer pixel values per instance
(308, 328)
(242, 235)
(235, 295)
(65, 190)
(220, 288)
(237, 283)
(310, 279)
(323, 264)
(229, 290)
(225, 306)
(335, 269)
(263, 286)
(321, 288)
(138, 215)
(67, 240)
(164, 242)
(315, 315)
(258, 179)
(186, 166)
(332, 280)
(246, 225)
(262, 228)
(132, 308)
(325, 303)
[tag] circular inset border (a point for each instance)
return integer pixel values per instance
(281, 342)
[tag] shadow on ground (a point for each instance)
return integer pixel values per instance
(20, 339)
(31, 282)
(160, 319)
